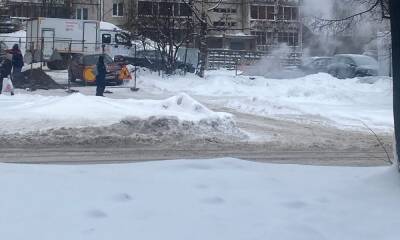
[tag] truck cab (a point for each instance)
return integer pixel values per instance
(116, 41)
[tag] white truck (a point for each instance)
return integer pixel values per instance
(53, 40)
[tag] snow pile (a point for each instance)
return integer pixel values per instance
(343, 103)
(24, 113)
(198, 199)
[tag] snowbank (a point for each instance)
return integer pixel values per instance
(198, 199)
(319, 97)
(24, 113)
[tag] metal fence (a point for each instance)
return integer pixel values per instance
(230, 59)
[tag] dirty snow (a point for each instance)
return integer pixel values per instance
(347, 103)
(198, 199)
(24, 113)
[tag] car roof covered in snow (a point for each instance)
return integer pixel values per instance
(360, 59)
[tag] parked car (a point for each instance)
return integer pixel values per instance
(153, 60)
(7, 25)
(82, 67)
(353, 65)
(315, 65)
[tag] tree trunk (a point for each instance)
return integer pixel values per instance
(203, 45)
(395, 29)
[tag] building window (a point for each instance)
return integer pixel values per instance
(237, 45)
(218, 24)
(288, 13)
(145, 8)
(254, 12)
(185, 10)
(260, 38)
(118, 8)
(290, 38)
(163, 9)
(259, 12)
(270, 12)
(294, 14)
(224, 10)
(82, 13)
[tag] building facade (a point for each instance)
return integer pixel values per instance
(35, 8)
(260, 25)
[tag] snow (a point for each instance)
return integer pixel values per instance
(198, 199)
(106, 26)
(23, 113)
(347, 103)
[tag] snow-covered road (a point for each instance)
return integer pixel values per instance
(198, 199)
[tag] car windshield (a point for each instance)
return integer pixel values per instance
(92, 59)
(364, 60)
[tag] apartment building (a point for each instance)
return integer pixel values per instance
(35, 8)
(255, 25)
(275, 22)
(232, 24)
(228, 26)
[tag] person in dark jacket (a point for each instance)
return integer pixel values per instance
(17, 62)
(5, 71)
(100, 77)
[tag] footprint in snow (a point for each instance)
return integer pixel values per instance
(214, 200)
(96, 213)
(122, 197)
(201, 186)
(295, 204)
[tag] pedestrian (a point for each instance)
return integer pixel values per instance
(100, 77)
(17, 62)
(5, 72)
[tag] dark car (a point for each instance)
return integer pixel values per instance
(7, 25)
(82, 67)
(153, 60)
(315, 65)
(353, 65)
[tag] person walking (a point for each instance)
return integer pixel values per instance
(5, 71)
(100, 76)
(17, 62)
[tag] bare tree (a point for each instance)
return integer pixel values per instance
(385, 9)
(343, 19)
(169, 25)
